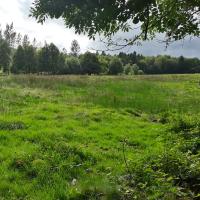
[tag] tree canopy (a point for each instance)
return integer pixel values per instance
(25, 56)
(176, 18)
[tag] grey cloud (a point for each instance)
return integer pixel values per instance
(188, 47)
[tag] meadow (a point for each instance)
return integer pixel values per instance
(99, 137)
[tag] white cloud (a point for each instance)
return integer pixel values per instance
(17, 11)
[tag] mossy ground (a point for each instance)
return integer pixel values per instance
(72, 137)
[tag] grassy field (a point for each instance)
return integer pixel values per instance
(89, 137)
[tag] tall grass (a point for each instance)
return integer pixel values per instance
(151, 94)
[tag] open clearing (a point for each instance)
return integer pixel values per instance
(77, 137)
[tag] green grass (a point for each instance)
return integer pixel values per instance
(65, 137)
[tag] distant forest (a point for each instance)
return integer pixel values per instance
(18, 55)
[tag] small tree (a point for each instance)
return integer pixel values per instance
(75, 48)
(115, 66)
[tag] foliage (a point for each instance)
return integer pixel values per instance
(24, 60)
(131, 69)
(175, 18)
(49, 59)
(30, 64)
(115, 66)
(90, 64)
(23, 56)
(4, 55)
(104, 62)
(18, 61)
(73, 65)
(169, 65)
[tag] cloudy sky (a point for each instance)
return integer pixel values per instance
(17, 11)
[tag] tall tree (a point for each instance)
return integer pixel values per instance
(73, 65)
(75, 48)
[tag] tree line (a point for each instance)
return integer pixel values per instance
(19, 55)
